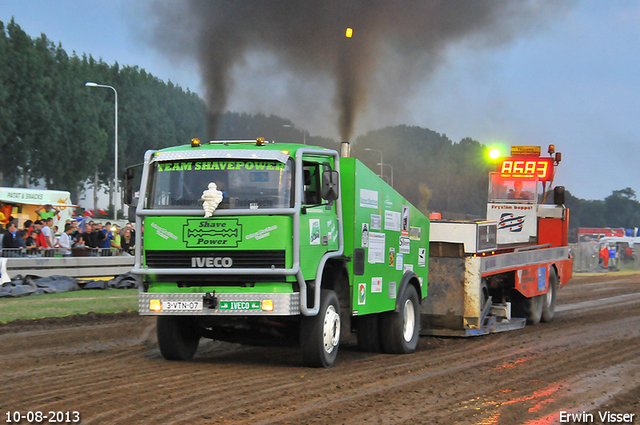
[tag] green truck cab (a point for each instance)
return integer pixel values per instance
(291, 243)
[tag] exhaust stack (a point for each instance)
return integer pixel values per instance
(345, 149)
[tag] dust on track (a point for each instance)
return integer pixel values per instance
(108, 367)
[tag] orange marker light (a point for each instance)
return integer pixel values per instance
(267, 305)
(155, 305)
(349, 32)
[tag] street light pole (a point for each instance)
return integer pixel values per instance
(115, 169)
(381, 161)
(304, 133)
(389, 165)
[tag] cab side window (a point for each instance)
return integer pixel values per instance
(311, 184)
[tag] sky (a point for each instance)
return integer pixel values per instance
(572, 80)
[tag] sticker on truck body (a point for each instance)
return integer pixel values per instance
(376, 222)
(365, 235)
(376, 248)
(362, 293)
(405, 220)
(392, 290)
(314, 231)
(368, 198)
(376, 285)
(422, 257)
(392, 220)
(405, 245)
(542, 278)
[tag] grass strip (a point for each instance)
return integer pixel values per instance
(68, 303)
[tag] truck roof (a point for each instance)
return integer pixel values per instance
(291, 148)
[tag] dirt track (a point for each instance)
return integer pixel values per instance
(109, 369)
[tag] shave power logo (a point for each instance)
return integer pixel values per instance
(223, 232)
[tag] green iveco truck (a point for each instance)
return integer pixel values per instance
(290, 243)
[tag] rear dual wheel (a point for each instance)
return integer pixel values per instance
(549, 299)
(399, 330)
(538, 308)
(528, 308)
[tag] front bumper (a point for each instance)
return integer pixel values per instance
(227, 304)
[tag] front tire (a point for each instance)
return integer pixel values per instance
(400, 330)
(549, 299)
(178, 337)
(320, 334)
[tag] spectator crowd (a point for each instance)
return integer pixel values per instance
(41, 238)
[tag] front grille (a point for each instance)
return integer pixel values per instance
(205, 259)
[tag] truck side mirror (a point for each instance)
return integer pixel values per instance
(558, 195)
(127, 178)
(330, 185)
(132, 210)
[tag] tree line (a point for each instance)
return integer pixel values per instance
(56, 131)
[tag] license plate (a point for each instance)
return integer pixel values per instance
(239, 305)
(182, 305)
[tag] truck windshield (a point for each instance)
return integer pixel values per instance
(512, 190)
(244, 184)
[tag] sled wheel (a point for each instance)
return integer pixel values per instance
(484, 293)
(549, 299)
(178, 337)
(320, 334)
(399, 330)
(369, 333)
(528, 308)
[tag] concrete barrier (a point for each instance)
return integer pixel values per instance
(79, 267)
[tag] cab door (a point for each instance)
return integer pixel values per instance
(318, 217)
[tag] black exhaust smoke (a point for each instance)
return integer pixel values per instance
(308, 37)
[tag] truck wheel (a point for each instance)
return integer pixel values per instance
(484, 293)
(178, 337)
(549, 299)
(369, 333)
(320, 334)
(529, 308)
(399, 330)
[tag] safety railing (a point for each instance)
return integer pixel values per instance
(64, 252)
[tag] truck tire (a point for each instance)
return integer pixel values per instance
(400, 330)
(369, 333)
(549, 299)
(484, 293)
(178, 337)
(320, 334)
(528, 308)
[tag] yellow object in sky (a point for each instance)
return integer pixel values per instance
(494, 153)
(349, 32)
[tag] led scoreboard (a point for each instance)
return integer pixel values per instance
(527, 167)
